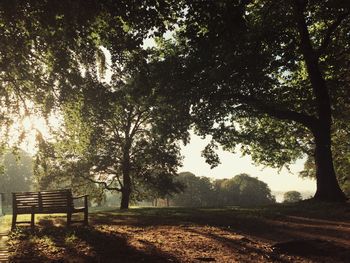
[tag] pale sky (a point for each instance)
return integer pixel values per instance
(233, 164)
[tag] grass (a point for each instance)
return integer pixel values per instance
(5, 223)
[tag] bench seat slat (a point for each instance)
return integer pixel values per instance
(19, 200)
(53, 211)
(27, 203)
(54, 194)
(26, 194)
(55, 199)
(55, 203)
(27, 206)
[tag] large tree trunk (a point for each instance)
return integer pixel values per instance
(327, 185)
(124, 204)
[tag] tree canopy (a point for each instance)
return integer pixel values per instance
(46, 45)
(114, 135)
(269, 76)
(51, 58)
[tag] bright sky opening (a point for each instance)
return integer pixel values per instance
(233, 164)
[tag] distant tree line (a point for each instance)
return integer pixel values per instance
(242, 190)
(292, 197)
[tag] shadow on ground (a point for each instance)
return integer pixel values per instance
(51, 243)
(274, 234)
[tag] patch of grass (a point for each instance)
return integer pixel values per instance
(5, 223)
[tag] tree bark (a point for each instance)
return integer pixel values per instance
(124, 204)
(126, 189)
(126, 165)
(327, 184)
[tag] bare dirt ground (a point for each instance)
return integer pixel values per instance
(299, 233)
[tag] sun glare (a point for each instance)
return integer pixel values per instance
(24, 131)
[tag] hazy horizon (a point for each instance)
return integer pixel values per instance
(233, 164)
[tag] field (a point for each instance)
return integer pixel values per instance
(304, 232)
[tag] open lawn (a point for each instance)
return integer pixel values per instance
(305, 232)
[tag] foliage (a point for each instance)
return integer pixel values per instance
(17, 175)
(197, 192)
(47, 45)
(242, 190)
(292, 197)
(48, 49)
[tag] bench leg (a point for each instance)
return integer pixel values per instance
(14, 219)
(69, 218)
(32, 220)
(86, 210)
(86, 216)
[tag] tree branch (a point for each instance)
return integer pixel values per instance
(330, 30)
(104, 184)
(317, 80)
(279, 113)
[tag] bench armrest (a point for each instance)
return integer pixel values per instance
(81, 196)
(85, 200)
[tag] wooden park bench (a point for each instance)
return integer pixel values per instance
(47, 202)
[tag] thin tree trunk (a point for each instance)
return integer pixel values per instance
(126, 189)
(126, 165)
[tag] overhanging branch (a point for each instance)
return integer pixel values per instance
(329, 32)
(278, 113)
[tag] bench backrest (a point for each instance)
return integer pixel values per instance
(43, 202)
(25, 201)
